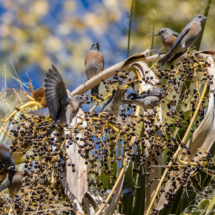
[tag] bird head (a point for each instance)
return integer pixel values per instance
(199, 19)
(164, 33)
(70, 106)
(80, 99)
(95, 47)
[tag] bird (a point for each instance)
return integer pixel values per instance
(168, 37)
(13, 182)
(61, 107)
(5, 156)
(187, 38)
(148, 100)
(94, 64)
(112, 105)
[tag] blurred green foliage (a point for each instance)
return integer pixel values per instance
(35, 34)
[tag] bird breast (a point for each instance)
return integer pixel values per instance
(169, 42)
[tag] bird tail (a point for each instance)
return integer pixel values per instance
(94, 91)
(175, 57)
(163, 60)
(41, 112)
(119, 95)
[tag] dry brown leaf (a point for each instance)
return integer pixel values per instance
(39, 94)
(77, 180)
(91, 204)
(142, 68)
(70, 195)
(209, 52)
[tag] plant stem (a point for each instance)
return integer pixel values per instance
(178, 150)
(129, 30)
(152, 41)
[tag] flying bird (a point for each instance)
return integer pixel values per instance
(5, 156)
(168, 37)
(94, 64)
(187, 38)
(60, 106)
(13, 182)
(112, 105)
(148, 100)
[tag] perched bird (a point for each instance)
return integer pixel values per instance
(94, 64)
(168, 37)
(5, 156)
(148, 100)
(13, 182)
(187, 38)
(112, 105)
(60, 106)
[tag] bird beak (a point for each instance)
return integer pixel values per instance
(207, 18)
(156, 34)
(84, 100)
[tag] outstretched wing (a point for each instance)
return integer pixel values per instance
(41, 112)
(55, 92)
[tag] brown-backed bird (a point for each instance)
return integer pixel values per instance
(187, 38)
(112, 105)
(168, 37)
(5, 156)
(94, 64)
(148, 100)
(60, 106)
(13, 182)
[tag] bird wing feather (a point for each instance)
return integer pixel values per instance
(5, 184)
(175, 34)
(41, 112)
(55, 92)
(181, 35)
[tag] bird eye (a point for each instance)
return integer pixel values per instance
(200, 17)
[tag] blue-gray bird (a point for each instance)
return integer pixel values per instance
(13, 182)
(148, 100)
(94, 64)
(60, 106)
(5, 156)
(112, 105)
(168, 37)
(187, 38)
